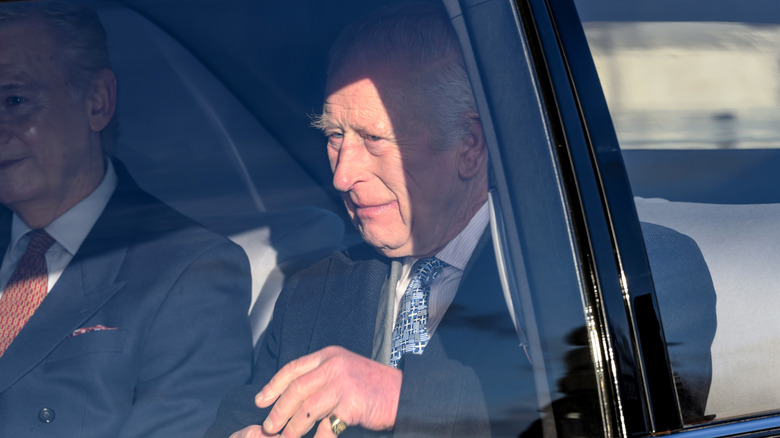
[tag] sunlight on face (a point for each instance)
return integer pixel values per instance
(402, 192)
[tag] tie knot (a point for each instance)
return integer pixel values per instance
(427, 269)
(40, 242)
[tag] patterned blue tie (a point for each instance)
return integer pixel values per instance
(410, 334)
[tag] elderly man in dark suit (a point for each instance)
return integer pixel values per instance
(408, 333)
(373, 338)
(118, 316)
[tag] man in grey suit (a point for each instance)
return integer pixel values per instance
(118, 316)
(345, 347)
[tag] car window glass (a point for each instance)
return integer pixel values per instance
(694, 95)
(215, 106)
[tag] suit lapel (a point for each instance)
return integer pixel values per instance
(65, 309)
(347, 316)
(479, 309)
(383, 329)
(86, 284)
(5, 230)
(481, 258)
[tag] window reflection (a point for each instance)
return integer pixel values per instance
(696, 108)
(681, 85)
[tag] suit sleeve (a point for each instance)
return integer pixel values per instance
(237, 409)
(198, 346)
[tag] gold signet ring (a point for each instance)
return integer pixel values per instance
(337, 425)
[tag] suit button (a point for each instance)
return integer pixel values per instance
(46, 415)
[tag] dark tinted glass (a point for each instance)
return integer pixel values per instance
(215, 105)
(693, 94)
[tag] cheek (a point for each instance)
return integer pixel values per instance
(22, 125)
(33, 129)
(429, 200)
(31, 132)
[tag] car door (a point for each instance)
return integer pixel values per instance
(667, 288)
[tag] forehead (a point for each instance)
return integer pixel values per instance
(372, 94)
(359, 100)
(26, 50)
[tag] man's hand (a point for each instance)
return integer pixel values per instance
(251, 432)
(330, 381)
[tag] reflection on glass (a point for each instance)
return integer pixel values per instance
(690, 85)
(696, 108)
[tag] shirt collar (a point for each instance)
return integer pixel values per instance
(72, 227)
(458, 251)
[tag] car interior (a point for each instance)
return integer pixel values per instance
(732, 216)
(214, 111)
(187, 139)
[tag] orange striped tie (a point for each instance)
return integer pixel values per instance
(26, 288)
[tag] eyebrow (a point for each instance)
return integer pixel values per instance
(325, 120)
(15, 83)
(321, 122)
(10, 87)
(11, 77)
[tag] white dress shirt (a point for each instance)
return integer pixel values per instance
(456, 254)
(69, 230)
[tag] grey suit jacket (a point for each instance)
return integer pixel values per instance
(174, 297)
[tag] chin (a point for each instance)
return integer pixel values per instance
(9, 196)
(393, 253)
(385, 246)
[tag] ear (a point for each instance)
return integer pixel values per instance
(101, 100)
(473, 151)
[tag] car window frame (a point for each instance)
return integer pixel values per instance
(580, 97)
(617, 198)
(538, 185)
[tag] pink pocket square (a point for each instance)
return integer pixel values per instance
(96, 328)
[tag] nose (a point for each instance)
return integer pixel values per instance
(350, 164)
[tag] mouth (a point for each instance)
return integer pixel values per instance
(373, 211)
(5, 164)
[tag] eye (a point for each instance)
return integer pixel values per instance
(15, 100)
(368, 137)
(334, 138)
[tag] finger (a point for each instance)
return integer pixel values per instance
(251, 432)
(284, 377)
(324, 430)
(293, 398)
(316, 407)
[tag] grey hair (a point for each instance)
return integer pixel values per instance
(420, 37)
(81, 37)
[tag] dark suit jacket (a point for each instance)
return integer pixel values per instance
(473, 379)
(464, 384)
(177, 296)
